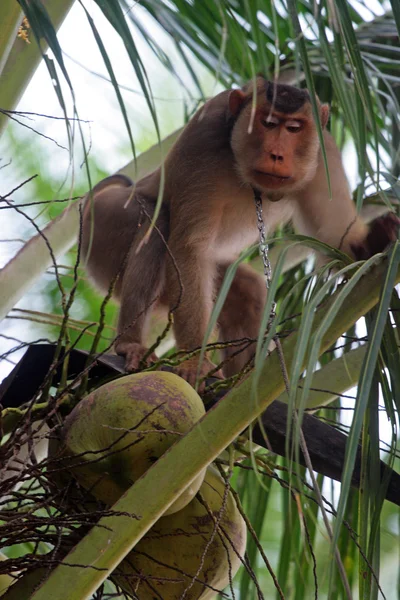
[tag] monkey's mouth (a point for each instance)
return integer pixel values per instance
(271, 179)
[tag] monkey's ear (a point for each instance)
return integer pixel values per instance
(324, 115)
(235, 101)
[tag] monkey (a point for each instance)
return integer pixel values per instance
(260, 138)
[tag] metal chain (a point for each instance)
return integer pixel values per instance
(263, 246)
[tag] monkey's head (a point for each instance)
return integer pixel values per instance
(275, 143)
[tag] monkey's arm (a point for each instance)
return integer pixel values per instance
(333, 221)
(190, 288)
(336, 221)
(141, 287)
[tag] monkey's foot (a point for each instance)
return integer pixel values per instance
(189, 370)
(135, 354)
(382, 232)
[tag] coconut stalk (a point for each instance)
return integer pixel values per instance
(21, 58)
(10, 19)
(146, 501)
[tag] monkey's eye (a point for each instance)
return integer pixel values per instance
(293, 126)
(270, 122)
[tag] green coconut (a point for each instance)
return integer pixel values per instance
(183, 552)
(118, 431)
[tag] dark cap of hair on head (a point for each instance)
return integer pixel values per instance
(285, 98)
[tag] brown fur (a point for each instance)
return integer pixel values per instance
(208, 217)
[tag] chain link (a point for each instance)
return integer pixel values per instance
(263, 246)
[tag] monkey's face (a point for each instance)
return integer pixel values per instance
(276, 151)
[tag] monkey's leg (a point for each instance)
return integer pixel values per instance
(142, 285)
(110, 222)
(241, 316)
(114, 223)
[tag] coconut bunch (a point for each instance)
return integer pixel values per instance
(109, 440)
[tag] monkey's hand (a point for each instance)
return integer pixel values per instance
(135, 354)
(189, 370)
(382, 232)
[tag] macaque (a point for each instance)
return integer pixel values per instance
(227, 150)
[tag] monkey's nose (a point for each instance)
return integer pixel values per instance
(276, 157)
